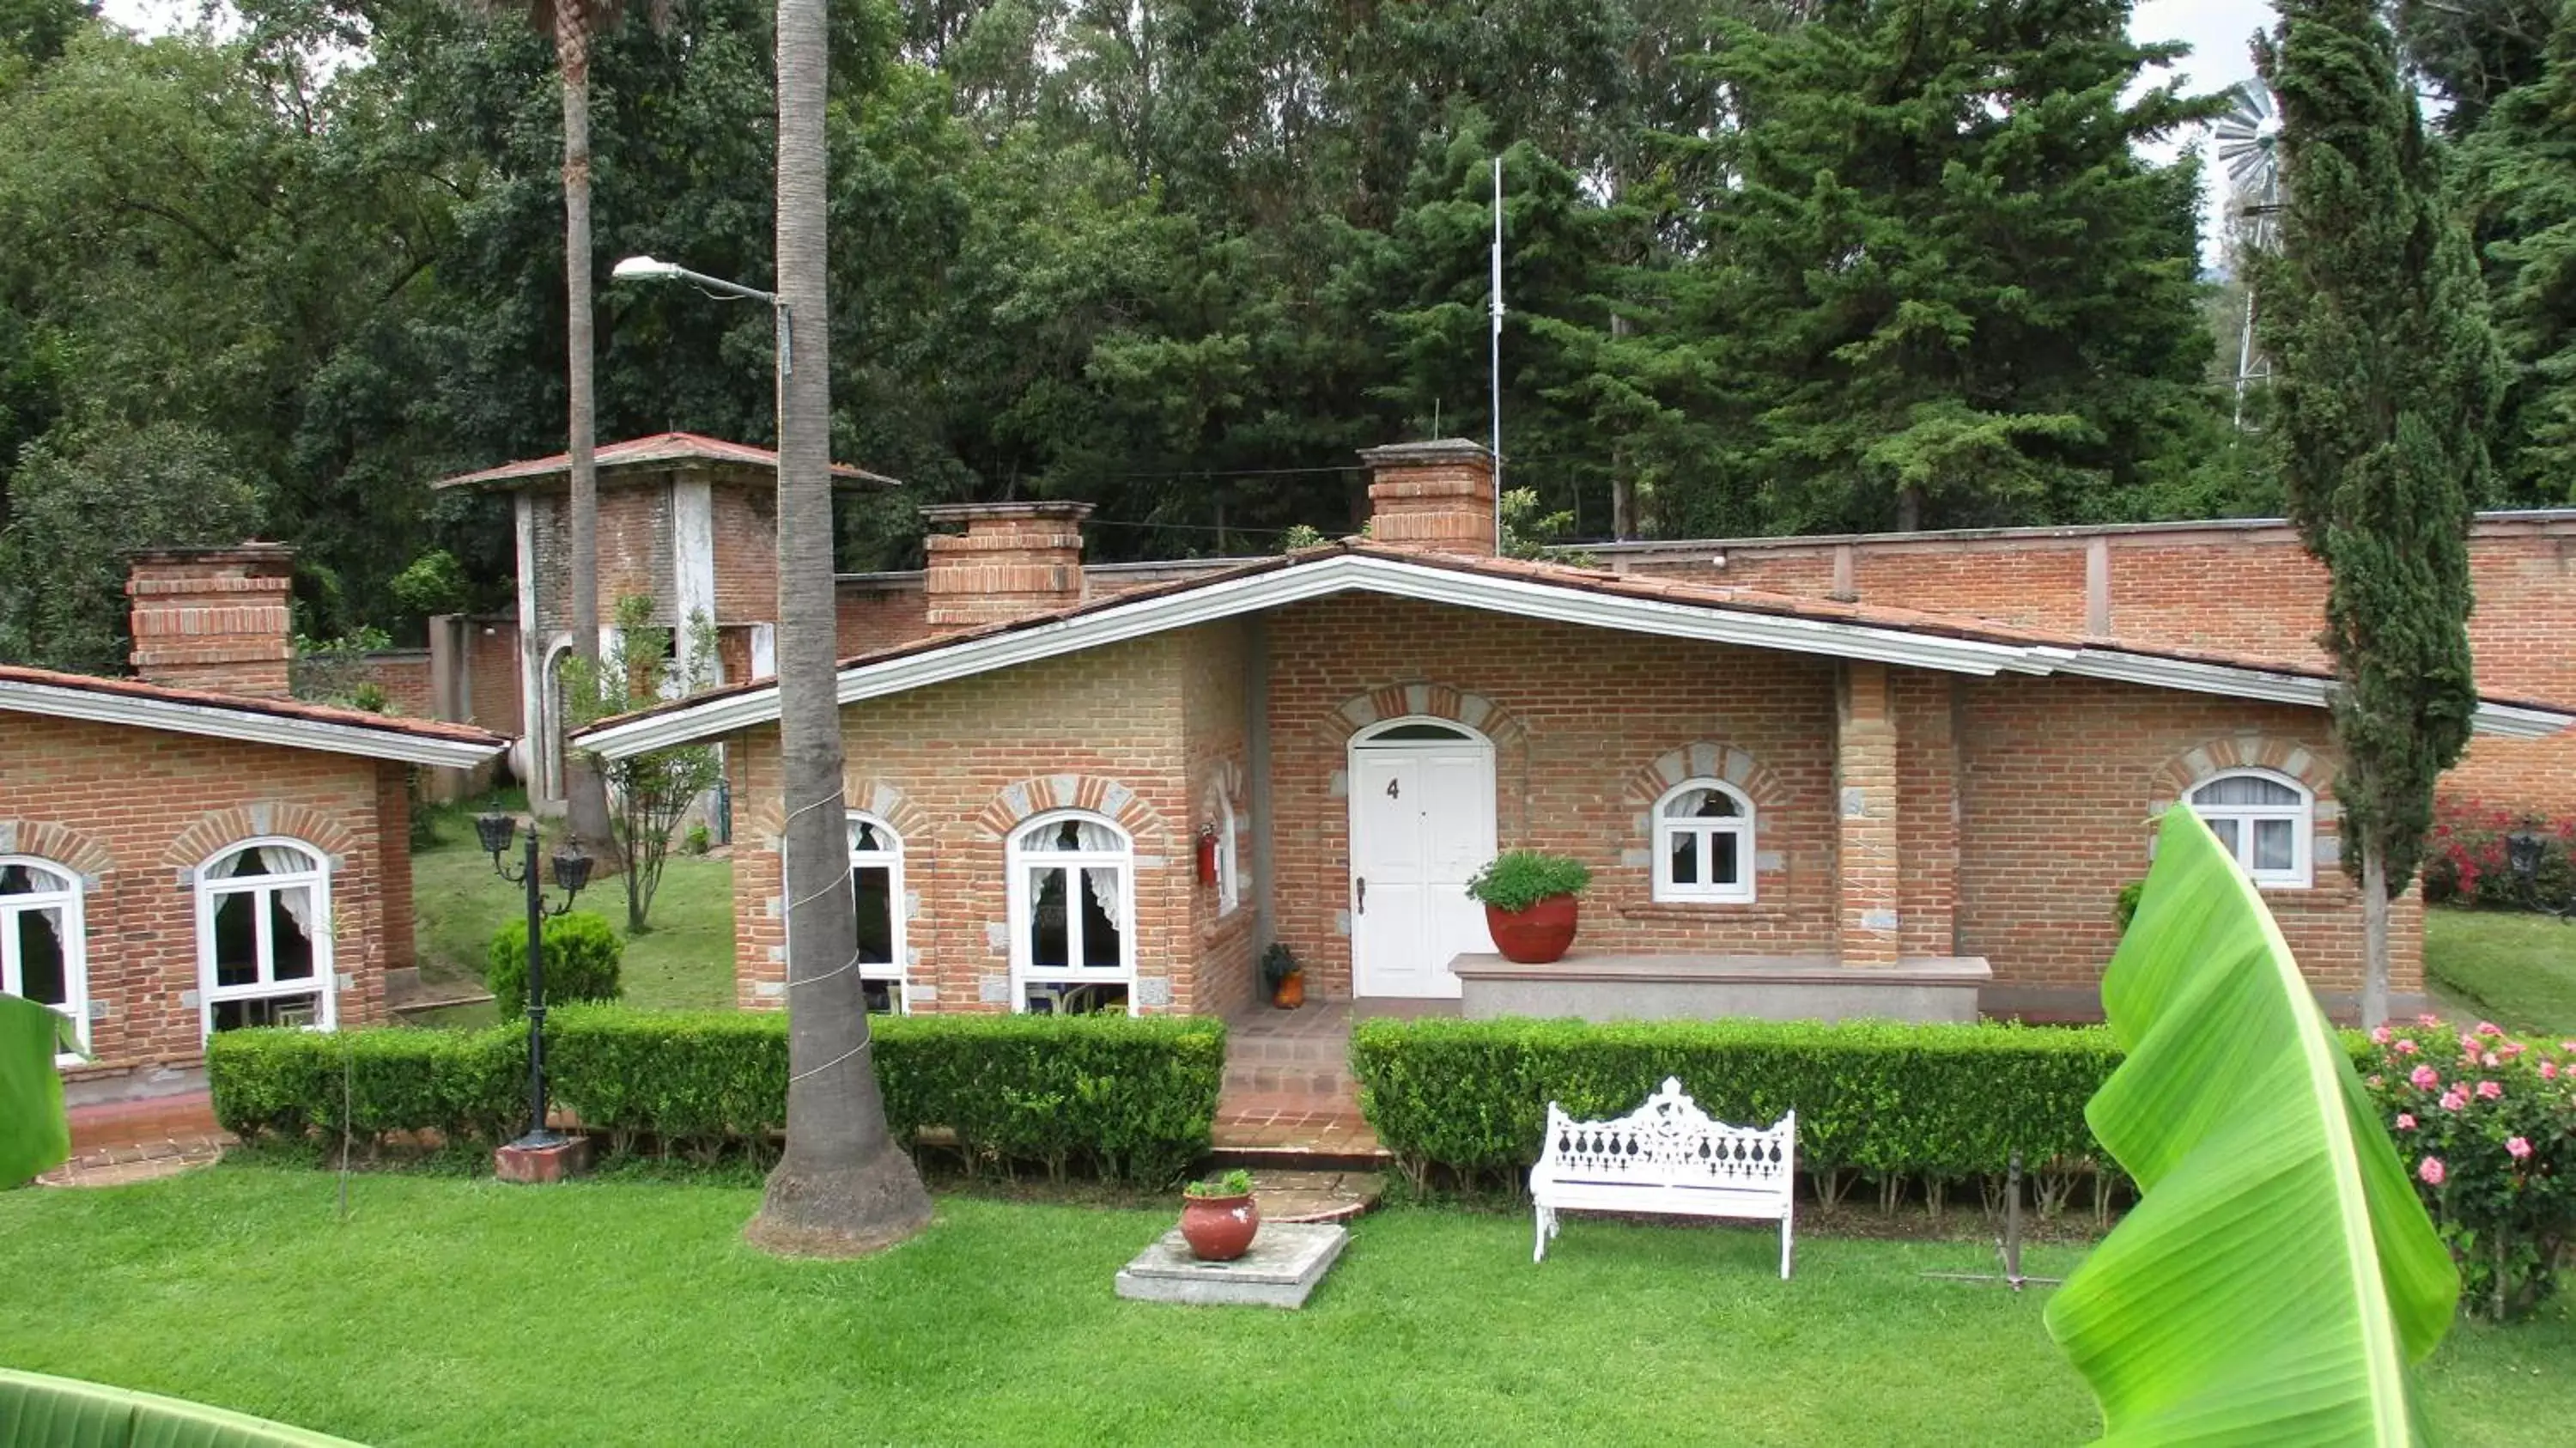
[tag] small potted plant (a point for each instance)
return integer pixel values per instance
(1219, 1217)
(1529, 902)
(1283, 977)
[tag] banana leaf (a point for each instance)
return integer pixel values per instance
(34, 1136)
(37, 1411)
(2279, 1275)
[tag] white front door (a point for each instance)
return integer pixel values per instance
(1422, 822)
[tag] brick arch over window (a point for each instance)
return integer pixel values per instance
(1107, 797)
(1425, 701)
(64, 846)
(1703, 760)
(212, 832)
(2176, 778)
(765, 820)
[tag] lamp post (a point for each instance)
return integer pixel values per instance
(650, 268)
(2522, 850)
(572, 871)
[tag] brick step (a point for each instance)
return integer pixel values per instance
(1288, 1050)
(1328, 1082)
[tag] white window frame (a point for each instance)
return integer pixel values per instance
(1020, 862)
(890, 859)
(1660, 847)
(211, 890)
(65, 896)
(2303, 827)
(1229, 891)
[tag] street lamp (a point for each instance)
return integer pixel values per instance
(572, 871)
(654, 269)
(2522, 850)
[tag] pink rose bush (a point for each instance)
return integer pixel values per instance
(2493, 1155)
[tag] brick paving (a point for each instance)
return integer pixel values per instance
(120, 1142)
(1289, 1095)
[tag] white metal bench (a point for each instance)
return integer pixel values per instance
(1666, 1156)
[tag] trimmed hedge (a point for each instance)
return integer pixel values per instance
(1127, 1099)
(584, 962)
(1941, 1103)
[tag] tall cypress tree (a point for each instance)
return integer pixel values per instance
(2386, 380)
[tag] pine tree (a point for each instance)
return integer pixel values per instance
(2386, 378)
(1935, 279)
(2517, 188)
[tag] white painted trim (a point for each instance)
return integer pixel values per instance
(1019, 862)
(693, 556)
(532, 653)
(2302, 816)
(66, 897)
(249, 726)
(1398, 578)
(325, 983)
(890, 859)
(1372, 740)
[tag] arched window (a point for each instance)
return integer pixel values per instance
(2267, 820)
(1229, 891)
(44, 950)
(1704, 843)
(1072, 903)
(264, 937)
(876, 880)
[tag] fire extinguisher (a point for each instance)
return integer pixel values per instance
(1207, 855)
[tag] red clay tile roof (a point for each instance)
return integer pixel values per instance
(661, 449)
(246, 704)
(1592, 580)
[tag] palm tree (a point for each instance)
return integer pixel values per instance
(575, 26)
(842, 1187)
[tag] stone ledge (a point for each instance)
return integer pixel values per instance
(1607, 987)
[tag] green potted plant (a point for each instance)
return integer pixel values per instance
(1529, 902)
(1283, 977)
(1218, 1216)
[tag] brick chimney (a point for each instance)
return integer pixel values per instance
(213, 618)
(1013, 560)
(1432, 495)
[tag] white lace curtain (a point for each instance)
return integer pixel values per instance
(281, 860)
(1106, 894)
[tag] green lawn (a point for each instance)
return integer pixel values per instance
(684, 962)
(2519, 968)
(451, 1311)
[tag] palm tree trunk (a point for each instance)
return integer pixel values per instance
(585, 797)
(2374, 935)
(842, 1187)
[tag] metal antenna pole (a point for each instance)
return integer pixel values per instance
(1496, 358)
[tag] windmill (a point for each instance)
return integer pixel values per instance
(2249, 152)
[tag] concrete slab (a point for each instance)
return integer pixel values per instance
(1603, 986)
(1281, 1270)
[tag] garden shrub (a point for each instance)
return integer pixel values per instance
(1127, 1099)
(467, 1086)
(584, 958)
(2486, 1126)
(2465, 861)
(1518, 879)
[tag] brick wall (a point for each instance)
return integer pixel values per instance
(137, 810)
(1214, 715)
(746, 552)
(213, 618)
(2060, 781)
(1586, 724)
(953, 766)
(492, 666)
(879, 611)
(634, 551)
(404, 676)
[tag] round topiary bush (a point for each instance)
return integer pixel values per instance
(583, 960)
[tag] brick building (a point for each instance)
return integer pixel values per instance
(192, 850)
(1084, 787)
(690, 522)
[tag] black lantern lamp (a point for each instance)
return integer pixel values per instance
(572, 871)
(2522, 851)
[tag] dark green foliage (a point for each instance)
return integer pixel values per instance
(1236, 1183)
(467, 1086)
(1943, 1102)
(2386, 381)
(1278, 963)
(2125, 908)
(1518, 879)
(583, 956)
(1128, 1099)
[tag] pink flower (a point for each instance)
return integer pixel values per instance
(2428, 1019)
(2548, 1070)
(2429, 1171)
(2407, 1047)
(2379, 1035)
(2518, 1148)
(2469, 1044)
(2567, 1045)
(2489, 1090)
(2405, 1121)
(2377, 1081)
(2489, 1028)
(2424, 1078)
(2452, 1100)
(2490, 1059)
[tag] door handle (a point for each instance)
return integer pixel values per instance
(1363, 884)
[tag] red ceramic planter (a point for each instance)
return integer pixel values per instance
(1219, 1229)
(1535, 936)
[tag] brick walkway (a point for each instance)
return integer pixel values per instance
(132, 1141)
(1289, 1093)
